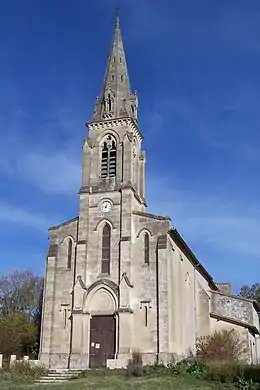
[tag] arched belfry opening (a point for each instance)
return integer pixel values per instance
(108, 157)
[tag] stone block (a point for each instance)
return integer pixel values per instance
(12, 360)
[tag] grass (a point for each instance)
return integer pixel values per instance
(117, 382)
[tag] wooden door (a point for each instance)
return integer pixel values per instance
(102, 340)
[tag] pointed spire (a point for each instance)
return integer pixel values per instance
(116, 99)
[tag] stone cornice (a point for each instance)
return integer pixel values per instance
(108, 123)
(152, 216)
(124, 310)
(124, 186)
(63, 224)
(233, 321)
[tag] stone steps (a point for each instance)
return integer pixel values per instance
(57, 376)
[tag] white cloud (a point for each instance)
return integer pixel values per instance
(48, 158)
(18, 216)
(53, 174)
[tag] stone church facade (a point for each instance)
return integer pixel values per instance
(118, 278)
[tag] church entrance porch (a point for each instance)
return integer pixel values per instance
(102, 340)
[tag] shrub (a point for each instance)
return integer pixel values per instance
(137, 357)
(252, 373)
(224, 372)
(24, 369)
(158, 369)
(22, 372)
(224, 345)
(247, 385)
(97, 372)
(193, 367)
(197, 368)
(135, 365)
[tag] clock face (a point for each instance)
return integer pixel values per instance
(106, 206)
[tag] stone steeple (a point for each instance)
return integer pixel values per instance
(116, 99)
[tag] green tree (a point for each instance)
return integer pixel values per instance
(18, 335)
(20, 313)
(251, 292)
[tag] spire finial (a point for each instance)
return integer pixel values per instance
(117, 17)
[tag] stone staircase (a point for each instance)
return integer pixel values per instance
(57, 376)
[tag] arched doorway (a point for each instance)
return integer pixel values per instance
(101, 303)
(102, 340)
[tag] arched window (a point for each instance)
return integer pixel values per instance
(69, 258)
(146, 248)
(108, 158)
(106, 243)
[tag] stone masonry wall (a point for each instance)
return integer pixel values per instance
(144, 279)
(232, 307)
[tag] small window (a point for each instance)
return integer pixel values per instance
(113, 77)
(122, 78)
(114, 60)
(106, 241)
(69, 259)
(64, 318)
(146, 315)
(146, 248)
(120, 59)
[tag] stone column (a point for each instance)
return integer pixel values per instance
(163, 298)
(86, 338)
(47, 315)
(125, 317)
(128, 160)
(82, 236)
(80, 340)
(142, 174)
(177, 305)
(86, 163)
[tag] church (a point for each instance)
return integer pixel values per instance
(118, 278)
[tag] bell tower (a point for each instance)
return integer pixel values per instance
(112, 154)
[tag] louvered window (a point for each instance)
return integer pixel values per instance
(112, 160)
(108, 159)
(106, 241)
(104, 161)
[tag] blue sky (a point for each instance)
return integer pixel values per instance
(195, 65)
